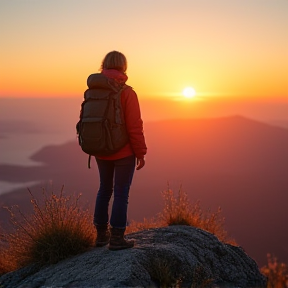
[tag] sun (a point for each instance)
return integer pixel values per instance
(189, 92)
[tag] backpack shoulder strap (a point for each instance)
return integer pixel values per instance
(89, 161)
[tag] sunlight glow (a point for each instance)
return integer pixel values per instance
(189, 92)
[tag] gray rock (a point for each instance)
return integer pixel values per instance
(166, 257)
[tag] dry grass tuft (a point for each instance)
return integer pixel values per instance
(201, 279)
(179, 211)
(135, 226)
(276, 273)
(4, 260)
(164, 271)
(57, 229)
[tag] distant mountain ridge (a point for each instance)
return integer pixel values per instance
(236, 163)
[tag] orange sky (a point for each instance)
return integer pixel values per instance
(221, 48)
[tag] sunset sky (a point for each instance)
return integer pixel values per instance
(230, 48)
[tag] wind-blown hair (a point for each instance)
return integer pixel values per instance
(114, 60)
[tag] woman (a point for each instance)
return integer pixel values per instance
(116, 171)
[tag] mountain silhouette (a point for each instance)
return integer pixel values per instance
(236, 163)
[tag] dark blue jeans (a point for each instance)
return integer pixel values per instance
(114, 175)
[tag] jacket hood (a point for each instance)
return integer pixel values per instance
(116, 75)
(107, 79)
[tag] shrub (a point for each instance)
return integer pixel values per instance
(276, 273)
(201, 278)
(162, 272)
(55, 230)
(179, 211)
(4, 261)
(135, 226)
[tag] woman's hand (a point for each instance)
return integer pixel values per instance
(140, 163)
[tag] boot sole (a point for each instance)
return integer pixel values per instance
(101, 244)
(115, 248)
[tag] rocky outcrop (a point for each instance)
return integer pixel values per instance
(163, 257)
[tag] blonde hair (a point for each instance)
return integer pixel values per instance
(114, 60)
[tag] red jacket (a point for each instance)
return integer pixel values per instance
(134, 123)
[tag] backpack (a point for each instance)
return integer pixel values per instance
(101, 129)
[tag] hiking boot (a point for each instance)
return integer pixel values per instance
(117, 240)
(103, 235)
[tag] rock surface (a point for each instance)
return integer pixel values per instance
(161, 257)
